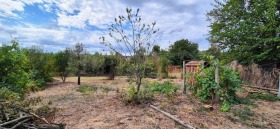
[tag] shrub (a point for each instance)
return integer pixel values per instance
(206, 85)
(140, 97)
(166, 88)
(13, 65)
(7, 94)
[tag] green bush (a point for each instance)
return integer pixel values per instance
(166, 88)
(142, 97)
(13, 68)
(6, 94)
(206, 85)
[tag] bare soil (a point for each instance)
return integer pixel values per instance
(105, 109)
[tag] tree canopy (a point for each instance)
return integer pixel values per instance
(183, 50)
(249, 30)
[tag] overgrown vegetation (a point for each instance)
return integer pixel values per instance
(206, 86)
(267, 97)
(147, 94)
(144, 96)
(166, 88)
(245, 116)
(20, 72)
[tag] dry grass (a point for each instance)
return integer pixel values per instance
(103, 110)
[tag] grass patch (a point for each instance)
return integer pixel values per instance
(245, 116)
(106, 89)
(115, 83)
(267, 97)
(84, 88)
(245, 101)
(142, 97)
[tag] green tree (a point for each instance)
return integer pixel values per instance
(62, 59)
(183, 50)
(40, 64)
(156, 50)
(110, 66)
(79, 50)
(248, 30)
(13, 68)
(132, 38)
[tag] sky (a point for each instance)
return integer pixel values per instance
(54, 25)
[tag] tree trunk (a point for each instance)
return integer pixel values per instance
(79, 70)
(79, 78)
(184, 78)
(138, 84)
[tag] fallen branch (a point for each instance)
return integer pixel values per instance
(31, 113)
(19, 123)
(42, 119)
(14, 120)
(173, 118)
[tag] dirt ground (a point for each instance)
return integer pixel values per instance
(106, 109)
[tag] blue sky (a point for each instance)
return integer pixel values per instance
(56, 24)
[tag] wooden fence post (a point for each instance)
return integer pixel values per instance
(217, 79)
(279, 84)
(184, 78)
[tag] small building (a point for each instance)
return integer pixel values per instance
(192, 66)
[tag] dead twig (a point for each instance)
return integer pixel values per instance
(31, 113)
(41, 118)
(19, 123)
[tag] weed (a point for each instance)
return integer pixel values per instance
(245, 114)
(245, 101)
(267, 97)
(42, 111)
(115, 83)
(84, 88)
(233, 120)
(166, 88)
(117, 90)
(142, 97)
(106, 89)
(225, 106)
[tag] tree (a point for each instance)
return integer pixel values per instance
(110, 64)
(79, 49)
(248, 30)
(40, 65)
(132, 38)
(13, 68)
(62, 59)
(156, 50)
(183, 50)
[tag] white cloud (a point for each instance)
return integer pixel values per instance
(176, 19)
(8, 6)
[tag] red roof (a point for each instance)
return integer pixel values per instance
(193, 63)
